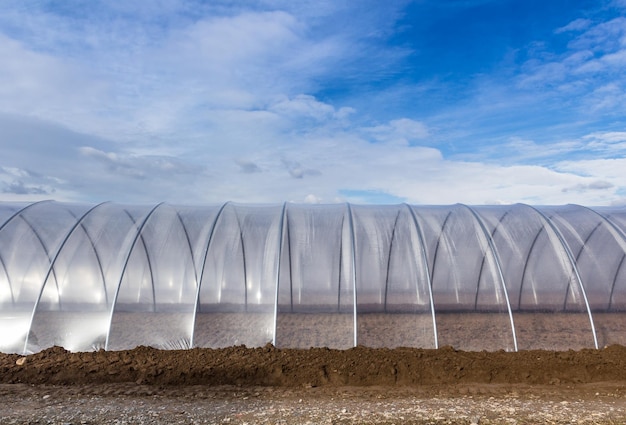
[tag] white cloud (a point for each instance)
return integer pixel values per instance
(612, 142)
(602, 37)
(317, 166)
(590, 71)
(140, 166)
(617, 59)
(311, 199)
(402, 131)
(217, 45)
(247, 166)
(306, 107)
(15, 181)
(18, 187)
(523, 150)
(349, 164)
(595, 185)
(619, 3)
(612, 169)
(576, 25)
(42, 86)
(608, 98)
(126, 80)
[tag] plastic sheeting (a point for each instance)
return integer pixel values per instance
(116, 276)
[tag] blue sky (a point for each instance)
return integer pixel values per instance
(426, 102)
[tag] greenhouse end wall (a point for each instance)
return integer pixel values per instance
(117, 276)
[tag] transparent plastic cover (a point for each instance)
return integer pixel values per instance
(117, 276)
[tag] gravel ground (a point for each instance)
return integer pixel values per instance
(482, 404)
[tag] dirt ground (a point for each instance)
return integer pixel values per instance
(240, 385)
(315, 367)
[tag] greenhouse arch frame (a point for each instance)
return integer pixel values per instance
(117, 276)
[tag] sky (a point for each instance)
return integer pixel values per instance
(200, 102)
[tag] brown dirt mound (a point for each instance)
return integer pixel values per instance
(269, 366)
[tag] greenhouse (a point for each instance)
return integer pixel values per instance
(506, 277)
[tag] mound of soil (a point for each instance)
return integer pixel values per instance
(315, 367)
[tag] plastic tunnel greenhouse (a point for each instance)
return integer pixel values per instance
(115, 276)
